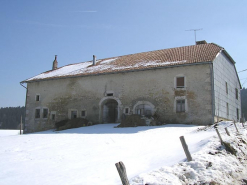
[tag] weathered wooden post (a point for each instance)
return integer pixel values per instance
(221, 141)
(122, 173)
(227, 132)
(235, 125)
(185, 147)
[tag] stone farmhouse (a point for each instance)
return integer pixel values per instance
(190, 85)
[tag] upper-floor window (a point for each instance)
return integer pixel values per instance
(226, 88)
(180, 105)
(37, 113)
(236, 92)
(180, 82)
(37, 97)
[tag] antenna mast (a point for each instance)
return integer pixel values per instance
(194, 32)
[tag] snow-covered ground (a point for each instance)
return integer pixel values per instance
(152, 155)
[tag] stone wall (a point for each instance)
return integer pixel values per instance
(157, 87)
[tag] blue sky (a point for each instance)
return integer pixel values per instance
(32, 32)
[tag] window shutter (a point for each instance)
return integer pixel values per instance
(180, 82)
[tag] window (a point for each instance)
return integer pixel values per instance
(237, 114)
(143, 109)
(53, 116)
(180, 106)
(45, 113)
(73, 114)
(83, 113)
(227, 109)
(37, 98)
(109, 94)
(37, 113)
(126, 110)
(180, 82)
(236, 92)
(226, 88)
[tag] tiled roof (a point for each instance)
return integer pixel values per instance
(139, 61)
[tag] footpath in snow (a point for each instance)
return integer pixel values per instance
(152, 156)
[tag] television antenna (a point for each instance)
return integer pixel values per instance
(195, 30)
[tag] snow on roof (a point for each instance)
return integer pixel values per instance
(138, 61)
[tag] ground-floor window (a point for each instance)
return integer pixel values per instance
(180, 105)
(37, 113)
(53, 116)
(227, 109)
(237, 114)
(45, 113)
(143, 109)
(73, 114)
(83, 113)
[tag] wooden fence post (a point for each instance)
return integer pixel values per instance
(227, 132)
(122, 173)
(235, 125)
(185, 147)
(221, 141)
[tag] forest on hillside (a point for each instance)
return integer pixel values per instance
(10, 117)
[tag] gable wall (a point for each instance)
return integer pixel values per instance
(224, 71)
(154, 86)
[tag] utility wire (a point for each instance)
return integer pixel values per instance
(242, 71)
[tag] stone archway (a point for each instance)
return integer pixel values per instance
(110, 109)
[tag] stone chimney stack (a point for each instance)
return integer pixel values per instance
(94, 60)
(54, 65)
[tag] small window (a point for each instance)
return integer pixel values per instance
(37, 98)
(236, 92)
(226, 88)
(109, 94)
(227, 108)
(180, 106)
(53, 116)
(37, 113)
(180, 82)
(45, 113)
(237, 114)
(73, 114)
(83, 113)
(126, 111)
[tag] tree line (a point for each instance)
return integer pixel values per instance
(10, 117)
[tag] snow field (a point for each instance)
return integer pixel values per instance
(87, 155)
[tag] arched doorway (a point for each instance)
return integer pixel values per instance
(110, 111)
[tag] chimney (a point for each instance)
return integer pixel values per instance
(94, 60)
(201, 42)
(54, 65)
